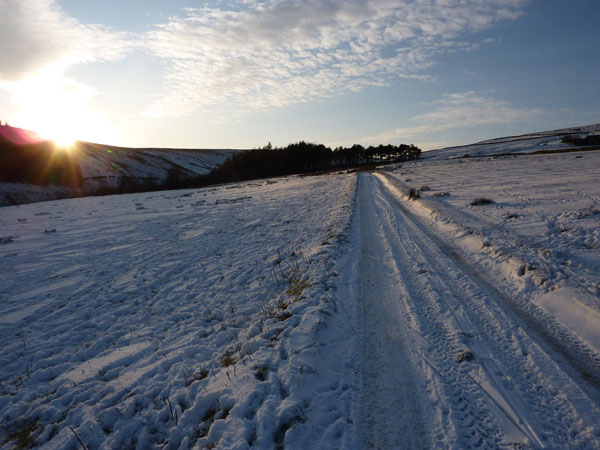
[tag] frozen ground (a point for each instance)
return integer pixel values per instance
(176, 319)
(316, 312)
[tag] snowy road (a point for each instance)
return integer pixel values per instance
(446, 362)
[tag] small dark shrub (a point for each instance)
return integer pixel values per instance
(413, 194)
(481, 201)
(261, 372)
(464, 355)
(580, 141)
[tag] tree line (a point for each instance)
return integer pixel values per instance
(38, 163)
(305, 157)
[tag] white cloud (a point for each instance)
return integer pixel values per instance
(37, 36)
(459, 110)
(39, 43)
(274, 53)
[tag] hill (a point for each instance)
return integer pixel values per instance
(32, 169)
(554, 141)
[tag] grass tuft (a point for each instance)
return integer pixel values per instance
(297, 286)
(284, 316)
(21, 434)
(228, 360)
(413, 194)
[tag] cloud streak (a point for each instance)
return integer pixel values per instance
(37, 36)
(274, 53)
(460, 110)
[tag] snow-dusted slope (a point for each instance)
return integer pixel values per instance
(103, 169)
(177, 319)
(546, 141)
(107, 166)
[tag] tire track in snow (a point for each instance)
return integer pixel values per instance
(454, 417)
(392, 412)
(512, 391)
(574, 355)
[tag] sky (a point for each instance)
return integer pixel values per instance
(241, 73)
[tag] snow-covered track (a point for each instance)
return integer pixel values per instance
(473, 374)
(583, 360)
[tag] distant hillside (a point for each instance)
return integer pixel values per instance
(104, 166)
(566, 139)
(32, 169)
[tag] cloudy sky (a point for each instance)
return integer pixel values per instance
(240, 73)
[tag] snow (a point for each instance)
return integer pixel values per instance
(312, 312)
(539, 235)
(565, 304)
(103, 165)
(546, 141)
(449, 360)
(118, 323)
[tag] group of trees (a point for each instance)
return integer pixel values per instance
(305, 157)
(38, 163)
(581, 141)
(269, 161)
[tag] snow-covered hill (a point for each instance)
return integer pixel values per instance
(545, 141)
(106, 169)
(107, 166)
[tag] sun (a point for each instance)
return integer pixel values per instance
(58, 131)
(60, 110)
(64, 142)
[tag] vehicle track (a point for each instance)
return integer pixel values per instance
(576, 356)
(471, 375)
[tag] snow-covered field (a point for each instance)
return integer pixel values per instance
(176, 319)
(541, 232)
(311, 312)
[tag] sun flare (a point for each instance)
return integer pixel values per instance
(64, 142)
(60, 111)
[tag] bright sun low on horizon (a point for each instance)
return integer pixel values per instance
(57, 109)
